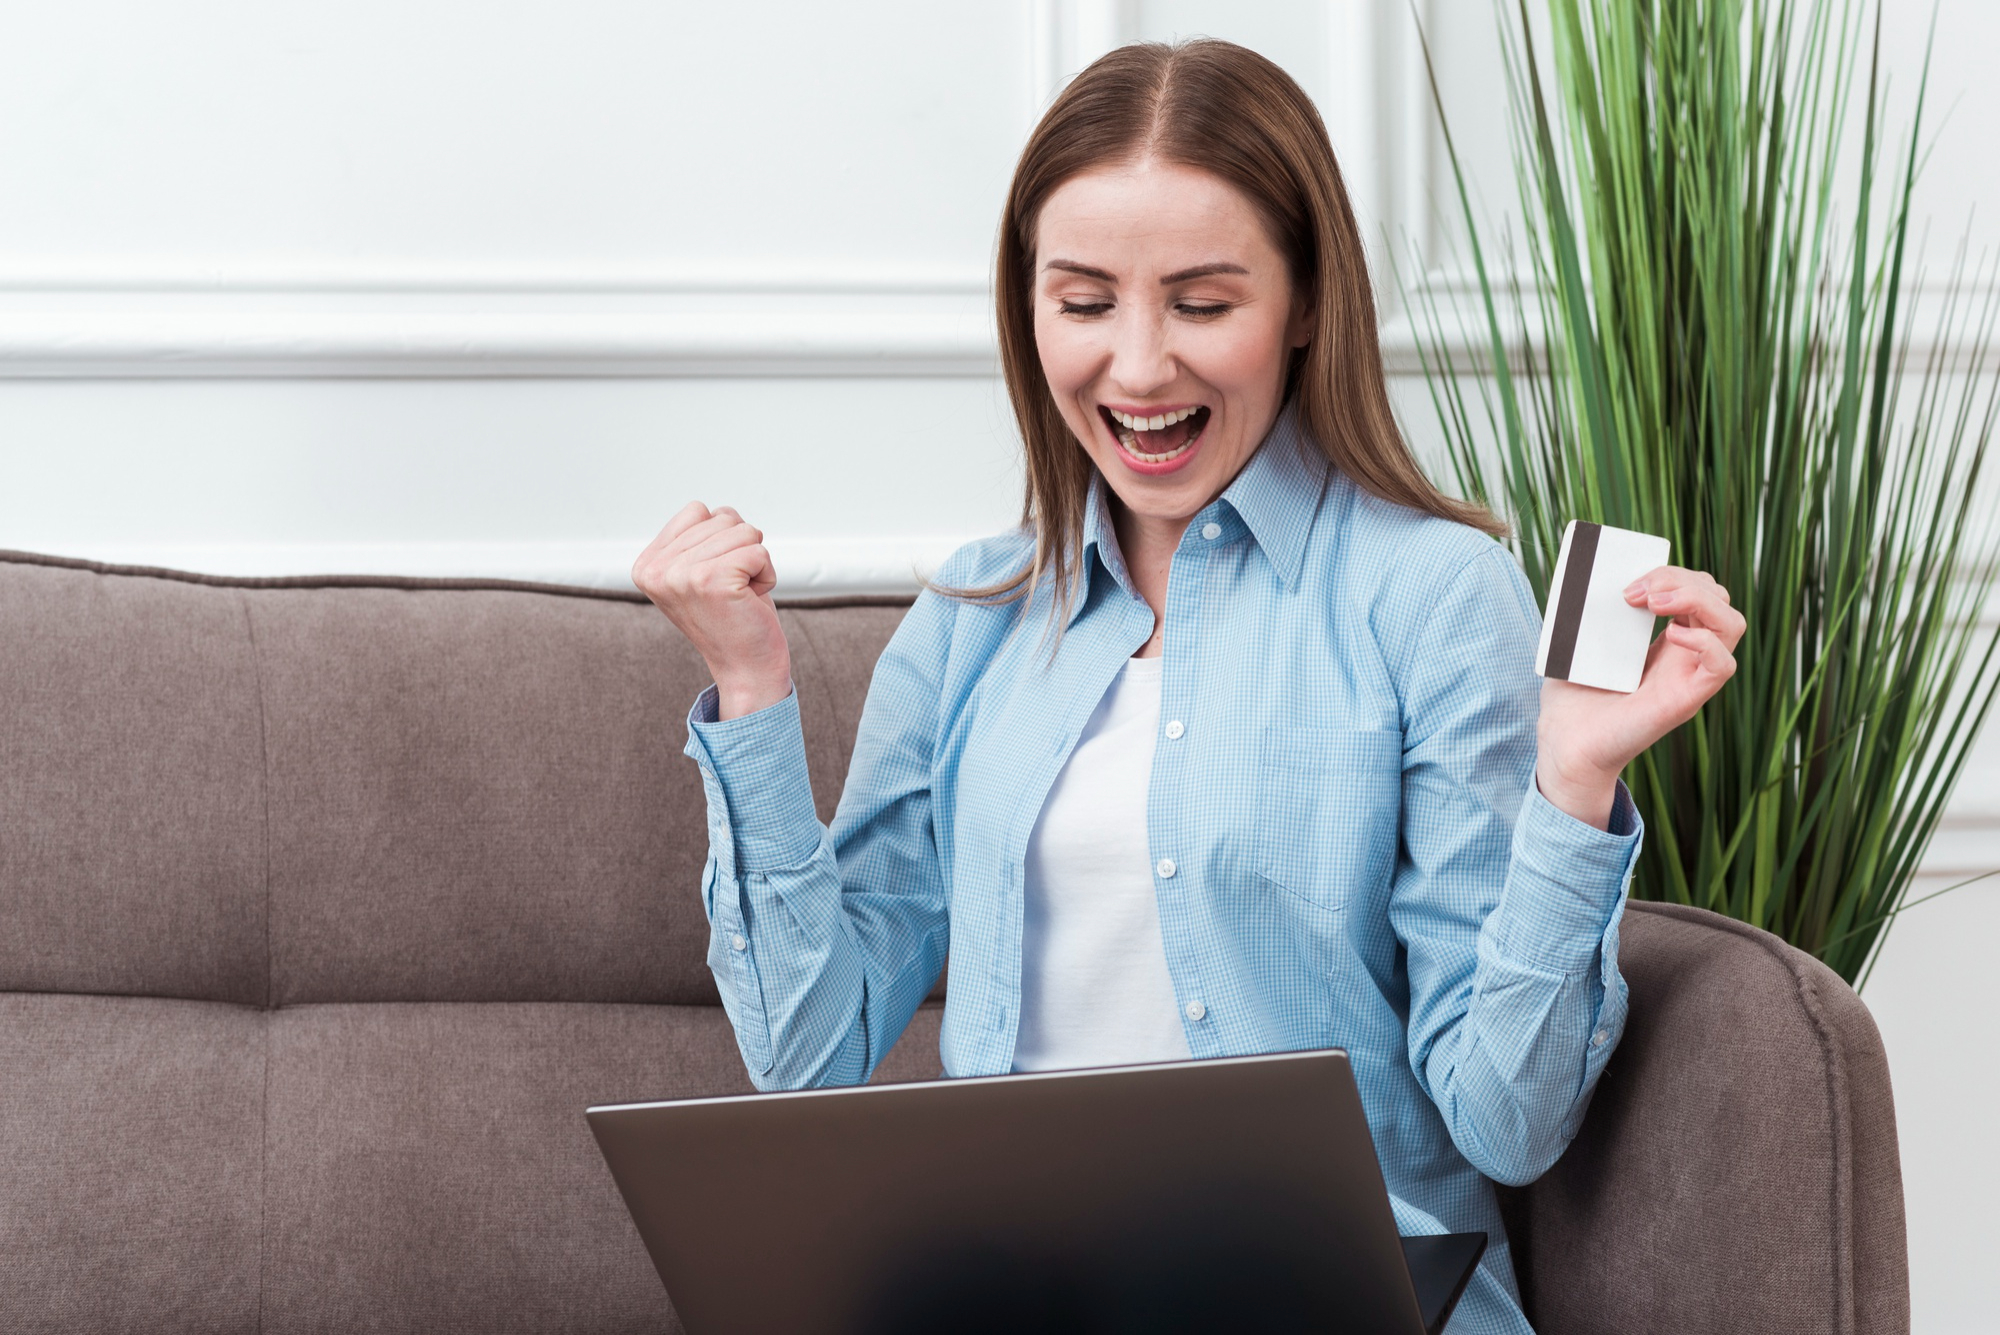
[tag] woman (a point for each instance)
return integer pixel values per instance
(1235, 745)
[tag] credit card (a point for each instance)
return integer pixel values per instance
(1590, 634)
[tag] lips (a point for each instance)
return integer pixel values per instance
(1158, 441)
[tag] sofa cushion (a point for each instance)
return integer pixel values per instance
(394, 1167)
(480, 794)
(131, 1172)
(430, 1168)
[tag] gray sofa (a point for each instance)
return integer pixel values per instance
(327, 905)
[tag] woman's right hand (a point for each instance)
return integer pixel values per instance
(709, 572)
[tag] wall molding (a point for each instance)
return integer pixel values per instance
(1067, 35)
(782, 276)
(132, 336)
(774, 319)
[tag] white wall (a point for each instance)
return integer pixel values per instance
(441, 287)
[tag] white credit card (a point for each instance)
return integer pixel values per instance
(1590, 634)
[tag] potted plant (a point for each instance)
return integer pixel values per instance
(1712, 344)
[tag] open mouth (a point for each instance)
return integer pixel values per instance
(1160, 438)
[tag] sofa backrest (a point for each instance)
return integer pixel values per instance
(282, 792)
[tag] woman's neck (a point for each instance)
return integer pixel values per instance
(1148, 544)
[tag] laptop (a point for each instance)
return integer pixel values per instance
(1237, 1193)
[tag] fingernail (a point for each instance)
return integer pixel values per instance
(1637, 586)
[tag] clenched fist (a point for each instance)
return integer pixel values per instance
(709, 572)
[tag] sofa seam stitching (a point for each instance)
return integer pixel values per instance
(264, 1138)
(1839, 1105)
(413, 583)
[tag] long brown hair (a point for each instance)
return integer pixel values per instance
(1223, 109)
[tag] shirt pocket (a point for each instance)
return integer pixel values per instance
(1329, 805)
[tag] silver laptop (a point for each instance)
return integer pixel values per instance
(1240, 1193)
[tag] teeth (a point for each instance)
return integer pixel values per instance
(1157, 422)
(1131, 444)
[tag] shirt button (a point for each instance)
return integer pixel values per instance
(1600, 1038)
(1195, 1010)
(1211, 531)
(1174, 731)
(738, 943)
(1166, 868)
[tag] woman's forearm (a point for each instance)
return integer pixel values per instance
(1540, 1005)
(842, 931)
(790, 977)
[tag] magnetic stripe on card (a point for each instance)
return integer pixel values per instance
(1569, 604)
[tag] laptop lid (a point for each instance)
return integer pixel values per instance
(1232, 1193)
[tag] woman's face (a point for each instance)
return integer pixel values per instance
(1164, 316)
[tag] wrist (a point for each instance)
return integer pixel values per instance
(737, 695)
(1581, 791)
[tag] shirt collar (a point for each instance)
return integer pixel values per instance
(1278, 493)
(1100, 538)
(1276, 496)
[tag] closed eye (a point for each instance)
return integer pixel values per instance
(1193, 310)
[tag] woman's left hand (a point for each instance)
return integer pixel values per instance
(1587, 737)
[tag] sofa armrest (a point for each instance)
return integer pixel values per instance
(1738, 1169)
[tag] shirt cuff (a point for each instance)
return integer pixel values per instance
(756, 766)
(1573, 876)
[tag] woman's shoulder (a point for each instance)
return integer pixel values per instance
(1399, 544)
(1444, 603)
(988, 560)
(949, 609)
(1404, 564)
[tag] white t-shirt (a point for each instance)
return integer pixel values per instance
(1094, 984)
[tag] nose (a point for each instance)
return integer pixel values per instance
(1142, 363)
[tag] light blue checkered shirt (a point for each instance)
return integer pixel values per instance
(1348, 846)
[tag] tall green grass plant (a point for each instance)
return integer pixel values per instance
(1711, 342)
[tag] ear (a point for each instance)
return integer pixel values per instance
(1304, 321)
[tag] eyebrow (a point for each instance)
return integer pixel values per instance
(1202, 271)
(1178, 276)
